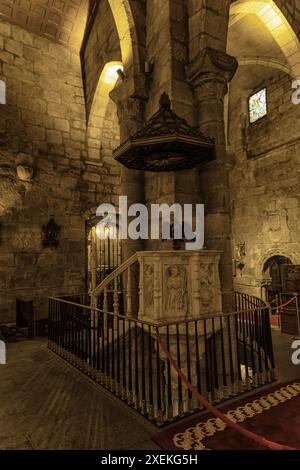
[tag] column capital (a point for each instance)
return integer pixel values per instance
(130, 102)
(211, 65)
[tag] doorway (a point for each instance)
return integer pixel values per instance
(281, 283)
(107, 254)
(273, 278)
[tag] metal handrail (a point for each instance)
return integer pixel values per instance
(209, 316)
(117, 272)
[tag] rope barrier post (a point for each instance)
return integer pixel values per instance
(279, 310)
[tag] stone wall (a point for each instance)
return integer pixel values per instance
(43, 125)
(265, 182)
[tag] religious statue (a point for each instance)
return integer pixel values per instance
(207, 288)
(149, 285)
(176, 293)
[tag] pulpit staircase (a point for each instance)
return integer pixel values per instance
(116, 292)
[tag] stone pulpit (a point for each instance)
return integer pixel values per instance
(176, 285)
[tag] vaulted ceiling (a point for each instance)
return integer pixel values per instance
(263, 42)
(62, 21)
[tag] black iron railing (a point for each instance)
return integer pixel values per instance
(223, 355)
(247, 302)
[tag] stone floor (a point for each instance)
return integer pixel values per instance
(46, 404)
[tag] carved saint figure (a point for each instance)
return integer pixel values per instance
(176, 292)
(149, 285)
(207, 290)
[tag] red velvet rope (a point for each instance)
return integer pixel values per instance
(271, 308)
(231, 424)
(285, 304)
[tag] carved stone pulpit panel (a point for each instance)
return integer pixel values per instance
(179, 285)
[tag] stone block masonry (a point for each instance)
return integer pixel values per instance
(44, 123)
(265, 185)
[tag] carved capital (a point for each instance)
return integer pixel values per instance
(130, 107)
(212, 65)
(130, 95)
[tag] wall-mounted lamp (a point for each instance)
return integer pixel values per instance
(50, 233)
(121, 74)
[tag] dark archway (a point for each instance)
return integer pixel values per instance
(273, 276)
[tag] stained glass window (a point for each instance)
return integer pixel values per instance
(258, 105)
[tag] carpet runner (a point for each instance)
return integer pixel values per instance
(274, 414)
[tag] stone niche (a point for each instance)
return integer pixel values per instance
(175, 285)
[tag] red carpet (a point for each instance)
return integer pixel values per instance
(273, 414)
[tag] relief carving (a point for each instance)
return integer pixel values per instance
(149, 286)
(207, 286)
(176, 301)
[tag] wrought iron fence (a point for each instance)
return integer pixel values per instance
(223, 355)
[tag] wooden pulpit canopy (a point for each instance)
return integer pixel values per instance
(166, 143)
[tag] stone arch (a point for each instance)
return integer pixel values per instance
(112, 35)
(127, 58)
(286, 11)
(279, 23)
(287, 253)
(124, 20)
(107, 81)
(271, 63)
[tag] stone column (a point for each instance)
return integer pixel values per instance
(210, 73)
(130, 113)
(130, 108)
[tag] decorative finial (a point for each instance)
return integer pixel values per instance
(165, 101)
